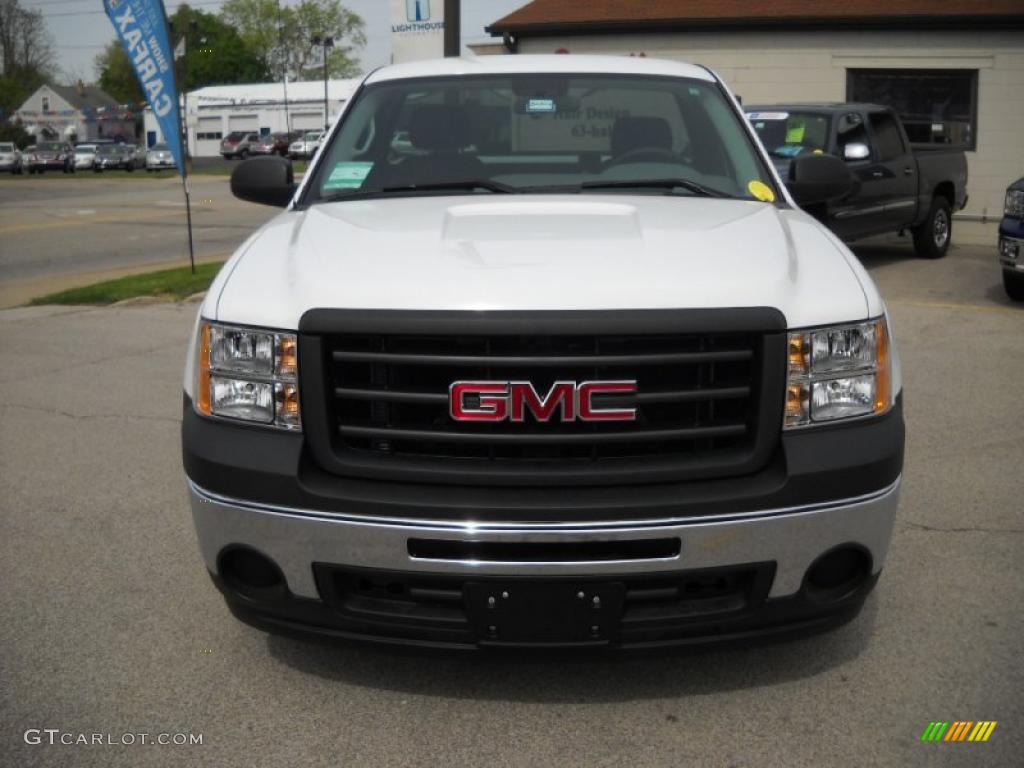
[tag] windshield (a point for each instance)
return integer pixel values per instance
(4, 147)
(84, 149)
(543, 133)
(311, 136)
(158, 148)
(108, 149)
(48, 146)
(790, 134)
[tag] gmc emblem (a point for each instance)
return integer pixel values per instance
(510, 400)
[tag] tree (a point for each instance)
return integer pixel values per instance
(26, 54)
(215, 54)
(283, 36)
(116, 75)
(26, 46)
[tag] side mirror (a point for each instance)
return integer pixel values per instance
(818, 178)
(856, 151)
(264, 180)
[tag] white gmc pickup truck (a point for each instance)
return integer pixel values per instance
(542, 352)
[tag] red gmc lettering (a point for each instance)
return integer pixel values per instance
(493, 400)
(523, 395)
(501, 400)
(588, 412)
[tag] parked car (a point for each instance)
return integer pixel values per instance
(112, 157)
(51, 156)
(85, 156)
(10, 157)
(275, 143)
(1011, 241)
(898, 187)
(158, 157)
(307, 146)
(602, 384)
(238, 144)
(135, 156)
(265, 146)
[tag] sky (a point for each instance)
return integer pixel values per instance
(81, 29)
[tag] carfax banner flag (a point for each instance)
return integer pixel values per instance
(142, 27)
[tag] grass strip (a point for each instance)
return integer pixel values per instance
(177, 283)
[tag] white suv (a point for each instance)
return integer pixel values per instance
(542, 352)
(305, 147)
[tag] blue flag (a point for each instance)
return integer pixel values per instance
(142, 27)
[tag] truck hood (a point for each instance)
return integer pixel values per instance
(551, 252)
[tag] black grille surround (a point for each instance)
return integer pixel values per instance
(432, 607)
(710, 387)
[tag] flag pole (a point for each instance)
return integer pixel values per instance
(188, 217)
(155, 63)
(185, 159)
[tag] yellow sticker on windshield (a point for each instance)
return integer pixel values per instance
(761, 191)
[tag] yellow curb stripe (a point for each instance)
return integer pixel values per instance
(988, 731)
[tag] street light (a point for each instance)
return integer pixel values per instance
(327, 43)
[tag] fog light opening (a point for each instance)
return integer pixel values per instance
(837, 573)
(249, 572)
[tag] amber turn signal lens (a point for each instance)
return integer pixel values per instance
(287, 358)
(202, 394)
(883, 366)
(798, 349)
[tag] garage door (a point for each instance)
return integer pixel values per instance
(208, 128)
(244, 123)
(209, 132)
(307, 121)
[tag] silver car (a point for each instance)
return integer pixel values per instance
(307, 146)
(85, 156)
(135, 156)
(159, 156)
(10, 157)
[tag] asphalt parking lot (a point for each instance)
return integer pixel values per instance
(59, 232)
(111, 625)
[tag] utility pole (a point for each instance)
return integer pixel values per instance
(327, 43)
(452, 27)
(283, 59)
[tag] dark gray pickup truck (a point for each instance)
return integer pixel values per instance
(898, 186)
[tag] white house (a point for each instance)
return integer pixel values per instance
(217, 110)
(953, 70)
(75, 113)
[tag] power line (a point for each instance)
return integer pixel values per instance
(65, 14)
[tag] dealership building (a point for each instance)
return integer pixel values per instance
(213, 112)
(952, 69)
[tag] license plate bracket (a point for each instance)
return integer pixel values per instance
(544, 613)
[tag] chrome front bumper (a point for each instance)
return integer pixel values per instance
(792, 538)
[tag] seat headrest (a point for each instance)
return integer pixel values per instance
(631, 133)
(439, 128)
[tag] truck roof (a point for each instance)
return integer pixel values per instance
(527, 64)
(821, 106)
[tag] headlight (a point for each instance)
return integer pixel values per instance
(838, 372)
(248, 374)
(1014, 203)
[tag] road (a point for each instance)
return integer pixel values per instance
(112, 627)
(60, 231)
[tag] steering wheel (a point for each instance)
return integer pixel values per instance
(644, 155)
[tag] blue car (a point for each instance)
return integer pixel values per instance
(1011, 241)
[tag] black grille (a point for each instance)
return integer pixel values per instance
(698, 401)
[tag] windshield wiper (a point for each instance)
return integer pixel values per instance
(691, 186)
(439, 186)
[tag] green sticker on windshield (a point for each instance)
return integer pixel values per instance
(348, 175)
